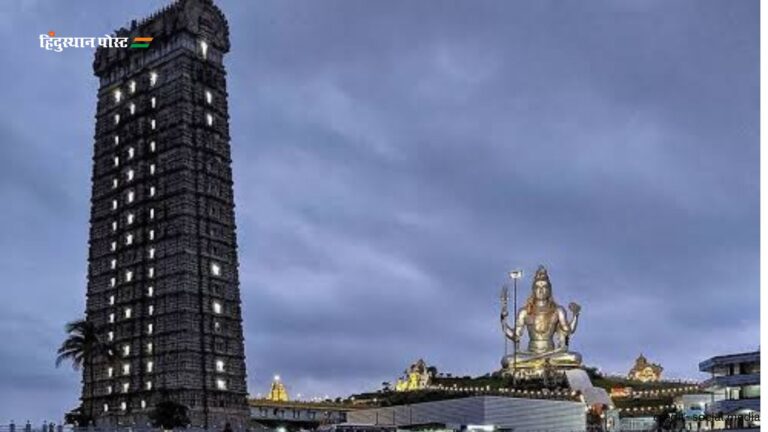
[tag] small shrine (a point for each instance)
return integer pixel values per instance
(277, 392)
(417, 377)
(644, 371)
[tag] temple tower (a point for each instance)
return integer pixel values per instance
(162, 268)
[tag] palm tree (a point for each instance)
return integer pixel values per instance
(82, 347)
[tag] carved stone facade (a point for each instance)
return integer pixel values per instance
(162, 269)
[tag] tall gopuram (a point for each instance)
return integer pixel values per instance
(162, 267)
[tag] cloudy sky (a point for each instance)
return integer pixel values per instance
(393, 160)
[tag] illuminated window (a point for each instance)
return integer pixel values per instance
(216, 326)
(148, 385)
(128, 312)
(150, 366)
(114, 204)
(152, 191)
(150, 328)
(112, 318)
(126, 368)
(110, 371)
(126, 350)
(209, 119)
(131, 153)
(151, 234)
(219, 365)
(204, 49)
(113, 246)
(128, 275)
(112, 298)
(208, 97)
(151, 272)
(132, 86)
(151, 253)
(150, 347)
(126, 386)
(221, 384)
(152, 78)
(110, 336)
(216, 307)
(152, 169)
(143, 404)
(131, 196)
(112, 282)
(118, 95)
(152, 146)
(150, 291)
(117, 118)
(114, 225)
(152, 124)
(109, 390)
(153, 102)
(116, 161)
(113, 265)
(132, 108)
(151, 213)
(130, 218)
(215, 269)
(129, 239)
(123, 406)
(117, 140)
(106, 406)
(114, 183)
(150, 310)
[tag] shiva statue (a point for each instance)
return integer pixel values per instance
(549, 330)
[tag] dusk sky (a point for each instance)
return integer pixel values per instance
(394, 159)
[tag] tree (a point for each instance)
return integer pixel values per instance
(169, 414)
(82, 347)
(77, 417)
(386, 386)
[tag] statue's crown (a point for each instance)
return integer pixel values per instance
(541, 274)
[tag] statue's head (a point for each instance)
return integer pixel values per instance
(541, 290)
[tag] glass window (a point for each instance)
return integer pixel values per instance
(152, 78)
(118, 95)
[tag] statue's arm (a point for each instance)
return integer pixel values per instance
(515, 332)
(520, 323)
(565, 326)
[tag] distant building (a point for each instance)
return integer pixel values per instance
(734, 388)
(294, 415)
(417, 377)
(277, 392)
(645, 371)
(479, 413)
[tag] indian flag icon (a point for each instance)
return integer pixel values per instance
(141, 42)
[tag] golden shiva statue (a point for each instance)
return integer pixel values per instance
(548, 327)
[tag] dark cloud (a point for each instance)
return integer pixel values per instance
(394, 159)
